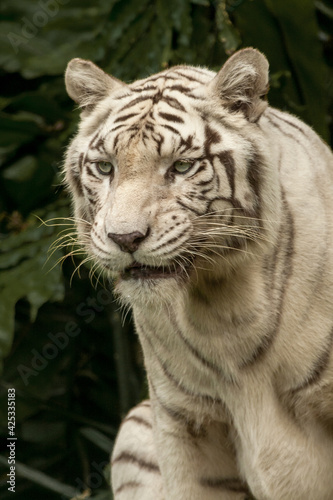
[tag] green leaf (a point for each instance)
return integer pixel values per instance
(228, 35)
(328, 11)
(122, 16)
(27, 41)
(98, 438)
(201, 2)
(305, 54)
(17, 130)
(40, 478)
(22, 170)
(25, 275)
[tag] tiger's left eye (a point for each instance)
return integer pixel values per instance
(182, 166)
(105, 167)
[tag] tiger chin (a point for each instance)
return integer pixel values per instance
(213, 212)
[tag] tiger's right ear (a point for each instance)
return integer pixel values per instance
(87, 84)
(242, 83)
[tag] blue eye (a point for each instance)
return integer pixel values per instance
(105, 167)
(182, 166)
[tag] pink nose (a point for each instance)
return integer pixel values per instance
(128, 242)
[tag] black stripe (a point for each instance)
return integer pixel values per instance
(225, 484)
(260, 350)
(197, 70)
(145, 404)
(128, 457)
(187, 144)
(138, 420)
(206, 398)
(205, 191)
(319, 366)
(168, 127)
(173, 102)
(202, 183)
(117, 127)
(89, 191)
(190, 425)
(92, 201)
(81, 162)
(171, 117)
(127, 486)
(98, 120)
(254, 168)
(283, 119)
(175, 414)
(100, 250)
(91, 173)
(196, 353)
(125, 117)
(183, 90)
(159, 139)
(211, 137)
(286, 236)
(228, 162)
(123, 96)
(191, 78)
(115, 142)
(291, 136)
(159, 76)
(196, 212)
(143, 89)
(91, 144)
(169, 242)
(136, 101)
(99, 145)
(76, 180)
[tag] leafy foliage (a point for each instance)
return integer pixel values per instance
(75, 368)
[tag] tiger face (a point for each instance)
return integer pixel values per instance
(168, 177)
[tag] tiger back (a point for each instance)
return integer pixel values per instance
(212, 214)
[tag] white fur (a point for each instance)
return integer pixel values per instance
(216, 419)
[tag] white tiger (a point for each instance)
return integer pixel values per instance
(213, 212)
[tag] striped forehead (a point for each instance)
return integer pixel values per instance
(153, 116)
(158, 115)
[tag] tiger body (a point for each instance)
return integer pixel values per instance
(226, 262)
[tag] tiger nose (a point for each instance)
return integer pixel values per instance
(128, 242)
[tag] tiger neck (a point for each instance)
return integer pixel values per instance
(228, 299)
(224, 320)
(212, 302)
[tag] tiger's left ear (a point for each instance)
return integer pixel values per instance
(242, 83)
(87, 84)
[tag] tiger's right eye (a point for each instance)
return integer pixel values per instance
(105, 167)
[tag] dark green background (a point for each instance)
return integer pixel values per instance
(70, 397)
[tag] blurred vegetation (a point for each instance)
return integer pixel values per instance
(76, 369)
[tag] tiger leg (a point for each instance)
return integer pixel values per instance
(208, 472)
(135, 473)
(196, 462)
(280, 458)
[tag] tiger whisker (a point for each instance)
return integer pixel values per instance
(72, 220)
(61, 259)
(183, 266)
(237, 232)
(219, 213)
(77, 268)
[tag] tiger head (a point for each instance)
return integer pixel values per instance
(169, 175)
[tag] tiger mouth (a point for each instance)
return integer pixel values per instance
(143, 271)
